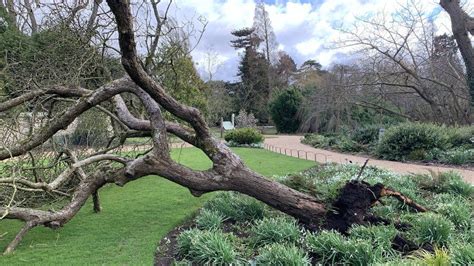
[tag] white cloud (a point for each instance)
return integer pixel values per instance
(304, 30)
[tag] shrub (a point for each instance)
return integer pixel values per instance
(236, 207)
(317, 141)
(457, 156)
(91, 130)
(411, 138)
(366, 135)
(275, 230)
(244, 136)
(209, 220)
(280, 254)
(417, 155)
(461, 137)
(340, 142)
(345, 144)
(430, 228)
(212, 247)
(284, 109)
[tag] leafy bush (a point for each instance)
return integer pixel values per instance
(462, 137)
(458, 156)
(280, 254)
(401, 141)
(430, 228)
(284, 109)
(236, 207)
(340, 142)
(345, 144)
(209, 220)
(207, 247)
(244, 136)
(366, 135)
(275, 230)
(91, 130)
(316, 140)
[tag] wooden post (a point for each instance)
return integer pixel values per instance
(222, 127)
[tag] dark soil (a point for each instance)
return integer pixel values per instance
(167, 251)
(353, 205)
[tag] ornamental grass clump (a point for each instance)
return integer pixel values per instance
(275, 230)
(235, 207)
(282, 254)
(429, 228)
(330, 247)
(207, 247)
(209, 220)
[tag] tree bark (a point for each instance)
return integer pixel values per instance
(462, 24)
(96, 201)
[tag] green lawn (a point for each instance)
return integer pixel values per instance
(134, 218)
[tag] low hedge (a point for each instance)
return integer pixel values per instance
(244, 136)
(412, 141)
(406, 141)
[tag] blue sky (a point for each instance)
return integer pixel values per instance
(305, 28)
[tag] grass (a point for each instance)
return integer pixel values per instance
(134, 218)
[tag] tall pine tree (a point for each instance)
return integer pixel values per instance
(254, 92)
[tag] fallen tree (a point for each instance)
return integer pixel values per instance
(228, 172)
(462, 24)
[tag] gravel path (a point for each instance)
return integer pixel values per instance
(291, 145)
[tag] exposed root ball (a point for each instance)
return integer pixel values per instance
(352, 205)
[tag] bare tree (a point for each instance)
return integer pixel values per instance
(462, 24)
(228, 172)
(401, 60)
(212, 63)
(264, 31)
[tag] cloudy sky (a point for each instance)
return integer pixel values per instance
(304, 28)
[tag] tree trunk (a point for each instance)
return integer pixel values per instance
(96, 201)
(299, 205)
(462, 24)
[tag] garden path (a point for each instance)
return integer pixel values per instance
(292, 146)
